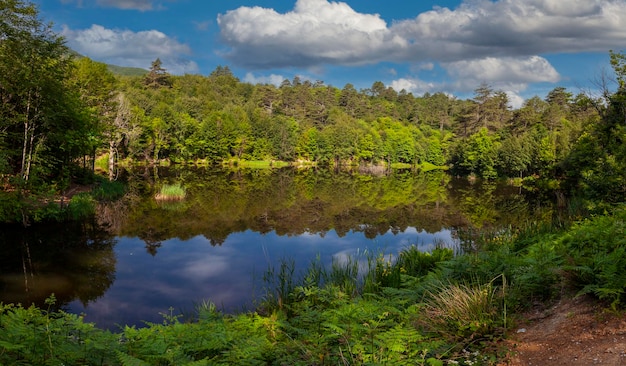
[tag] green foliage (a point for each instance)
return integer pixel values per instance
(81, 206)
(417, 263)
(108, 190)
(477, 155)
(443, 309)
(595, 255)
(31, 336)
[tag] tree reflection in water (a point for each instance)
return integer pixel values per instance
(232, 225)
(75, 261)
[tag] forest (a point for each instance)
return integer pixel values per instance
(60, 112)
(63, 117)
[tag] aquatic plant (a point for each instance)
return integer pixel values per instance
(171, 192)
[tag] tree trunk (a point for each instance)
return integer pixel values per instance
(23, 171)
(111, 159)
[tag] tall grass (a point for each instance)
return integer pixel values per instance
(108, 190)
(171, 192)
(465, 311)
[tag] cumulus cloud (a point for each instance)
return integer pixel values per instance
(319, 31)
(498, 42)
(509, 73)
(414, 85)
(516, 101)
(515, 27)
(128, 48)
(314, 32)
(270, 79)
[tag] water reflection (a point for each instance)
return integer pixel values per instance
(141, 257)
(75, 261)
(189, 271)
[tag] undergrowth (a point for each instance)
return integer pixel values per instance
(416, 308)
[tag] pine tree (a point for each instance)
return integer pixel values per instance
(158, 76)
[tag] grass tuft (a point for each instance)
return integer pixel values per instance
(464, 312)
(171, 192)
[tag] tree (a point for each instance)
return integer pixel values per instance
(42, 120)
(477, 155)
(158, 76)
(97, 89)
(597, 163)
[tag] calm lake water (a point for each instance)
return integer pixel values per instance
(138, 258)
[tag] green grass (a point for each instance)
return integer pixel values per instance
(171, 192)
(81, 206)
(256, 164)
(427, 167)
(102, 163)
(108, 190)
(401, 166)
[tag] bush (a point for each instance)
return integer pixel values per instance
(81, 206)
(595, 252)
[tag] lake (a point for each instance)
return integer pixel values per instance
(140, 258)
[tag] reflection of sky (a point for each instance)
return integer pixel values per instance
(186, 272)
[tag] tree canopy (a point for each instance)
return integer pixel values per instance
(58, 111)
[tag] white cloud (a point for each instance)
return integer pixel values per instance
(478, 29)
(270, 79)
(319, 31)
(509, 73)
(414, 85)
(315, 32)
(128, 48)
(493, 41)
(516, 101)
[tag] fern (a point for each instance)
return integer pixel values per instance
(127, 360)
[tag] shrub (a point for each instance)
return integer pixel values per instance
(81, 206)
(595, 251)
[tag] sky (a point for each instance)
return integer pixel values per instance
(522, 47)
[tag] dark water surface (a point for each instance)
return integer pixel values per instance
(139, 258)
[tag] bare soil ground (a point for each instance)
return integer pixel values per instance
(574, 332)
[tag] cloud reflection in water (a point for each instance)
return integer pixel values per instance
(183, 273)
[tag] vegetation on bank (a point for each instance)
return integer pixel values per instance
(62, 111)
(433, 308)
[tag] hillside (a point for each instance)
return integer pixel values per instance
(126, 71)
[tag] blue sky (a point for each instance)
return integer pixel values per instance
(523, 47)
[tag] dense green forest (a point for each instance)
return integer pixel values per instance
(59, 112)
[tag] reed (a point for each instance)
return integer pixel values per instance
(171, 192)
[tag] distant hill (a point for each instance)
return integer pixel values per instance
(127, 71)
(117, 70)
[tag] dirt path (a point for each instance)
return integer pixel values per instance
(571, 332)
